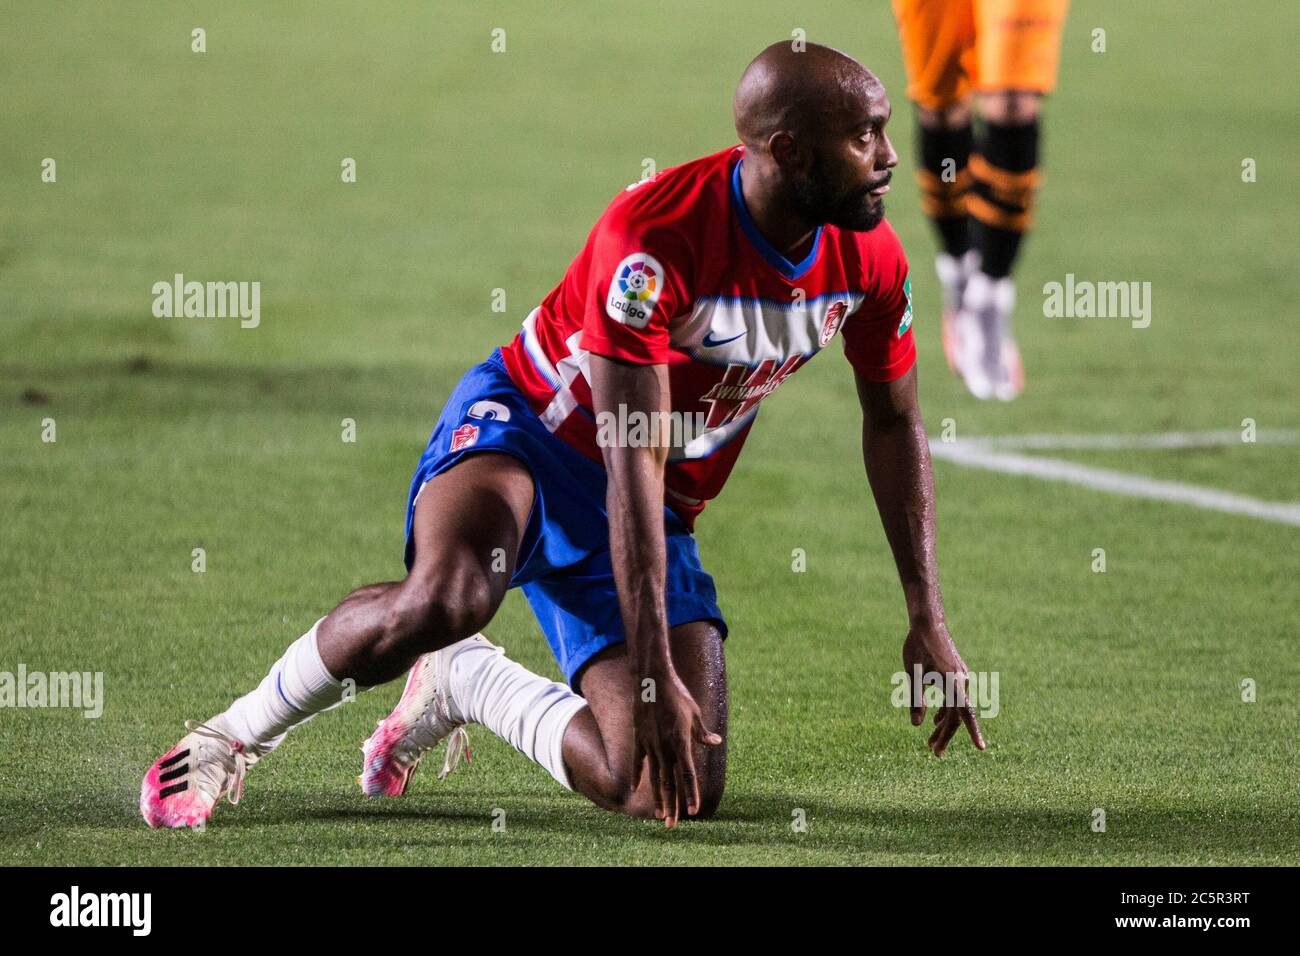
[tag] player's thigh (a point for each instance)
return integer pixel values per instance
(1018, 44)
(611, 690)
(938, 38)
(467, 529)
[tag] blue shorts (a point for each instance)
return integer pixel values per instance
(564, 562)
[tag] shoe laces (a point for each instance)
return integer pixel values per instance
(457, 747)
(226, 774)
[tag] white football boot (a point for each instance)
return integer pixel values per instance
(421, 719)
(185, 784)
(988, 358)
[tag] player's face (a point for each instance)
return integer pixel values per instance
(849, 173)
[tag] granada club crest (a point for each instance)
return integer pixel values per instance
(834, 317)
(464, 436)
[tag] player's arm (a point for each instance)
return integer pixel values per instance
(896, 453)
(667, 720)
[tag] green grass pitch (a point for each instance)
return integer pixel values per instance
(479, 171)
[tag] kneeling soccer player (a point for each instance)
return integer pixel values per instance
(698, 292)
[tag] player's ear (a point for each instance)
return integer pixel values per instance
(784, 150)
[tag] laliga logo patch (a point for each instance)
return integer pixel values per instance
(634, 290)
(834, 317)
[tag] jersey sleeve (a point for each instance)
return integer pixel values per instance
(637, 282)
(878, 336)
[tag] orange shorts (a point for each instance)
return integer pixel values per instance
(951, 47)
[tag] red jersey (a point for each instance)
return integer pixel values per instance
(676, 273)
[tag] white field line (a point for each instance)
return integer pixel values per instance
(978, 453)
(1157, 441)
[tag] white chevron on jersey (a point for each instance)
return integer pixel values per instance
(570, 367)
(535, 352)
(706, 443)
(564, 402)
(726, 329)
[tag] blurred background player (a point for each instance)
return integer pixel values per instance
(1000, 56)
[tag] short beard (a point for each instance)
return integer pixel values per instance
(819, 204)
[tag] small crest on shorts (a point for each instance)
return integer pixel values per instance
(464, 436)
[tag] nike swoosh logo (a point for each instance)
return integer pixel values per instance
(711, 343)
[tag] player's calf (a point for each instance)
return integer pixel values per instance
(1005, 179)
(379, 640)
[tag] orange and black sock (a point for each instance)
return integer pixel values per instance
(1004, 178)
(944, 181)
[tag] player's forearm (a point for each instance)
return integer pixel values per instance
(897, 457)
(635, 504)
(638, 553)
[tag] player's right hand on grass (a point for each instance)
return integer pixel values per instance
(930, 654)
(665, 727)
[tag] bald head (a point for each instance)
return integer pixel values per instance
(799, 92)
(813, 124)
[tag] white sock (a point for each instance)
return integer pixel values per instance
(526, 710)
(297, 688)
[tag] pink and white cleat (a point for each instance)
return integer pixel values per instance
(184, 786)
(421, 719)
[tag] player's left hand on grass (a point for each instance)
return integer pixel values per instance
(930, 654)
(665, 731)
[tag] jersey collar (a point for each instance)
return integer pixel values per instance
(791, 270)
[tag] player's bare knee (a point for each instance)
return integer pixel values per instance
(1010, 107)
(712, 781)
(951, 116)
(710, 796)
